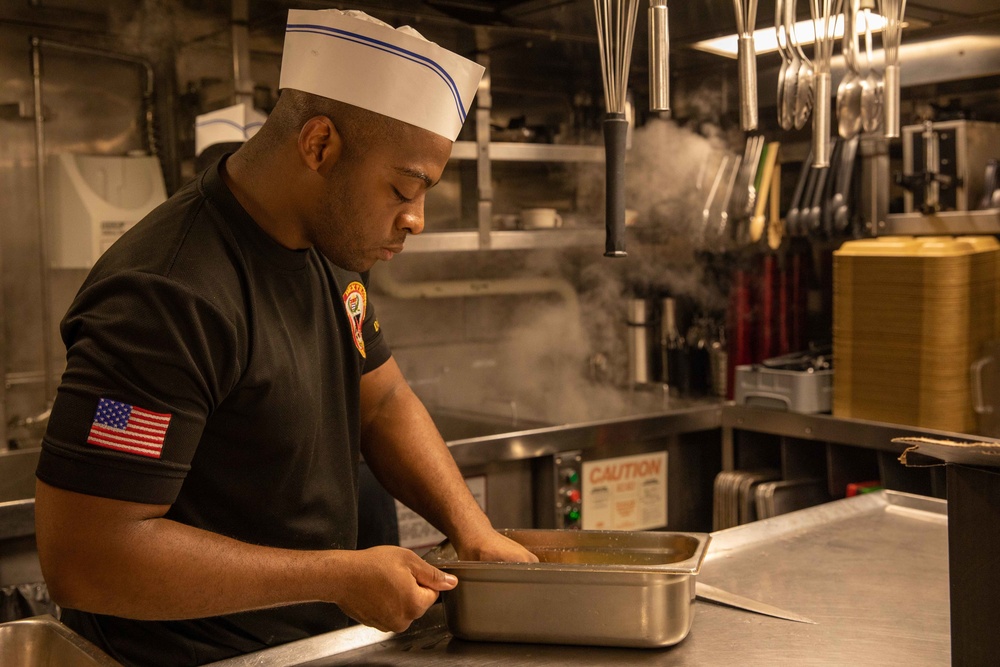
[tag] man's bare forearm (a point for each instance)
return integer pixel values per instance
(124, 559)
(409, 457)
(407, 454)
(155, 568)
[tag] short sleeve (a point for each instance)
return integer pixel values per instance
(147, 362)
(377, 350)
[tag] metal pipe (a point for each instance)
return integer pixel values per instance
(242, 83)
(659, 56)
(3, 364)
(484, 168)
(43, 235)
(149, 90)
(36, 72)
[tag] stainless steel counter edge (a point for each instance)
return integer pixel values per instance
(549, 440)
(731, 539)
(17, 518)
(826, 428)
(532, 443)
(321, 646)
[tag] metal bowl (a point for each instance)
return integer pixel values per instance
(42, 640)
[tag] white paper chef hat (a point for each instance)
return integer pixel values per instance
(354, 58)
(236, 123)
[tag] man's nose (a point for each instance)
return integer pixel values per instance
(412, 220)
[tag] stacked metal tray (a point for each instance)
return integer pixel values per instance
(733, 499)
(743, 496)
(784, 496)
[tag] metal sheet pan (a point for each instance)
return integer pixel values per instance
(603, 588)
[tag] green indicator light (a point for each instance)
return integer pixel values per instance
(573, 477)
(573, 515)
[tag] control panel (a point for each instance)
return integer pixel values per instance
(569, 494)
(557, 492)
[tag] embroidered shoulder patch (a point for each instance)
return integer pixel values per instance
(356, 303)
(127, 428)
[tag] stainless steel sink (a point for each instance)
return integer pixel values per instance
(17, 473)
(18, 556)
(42, 640)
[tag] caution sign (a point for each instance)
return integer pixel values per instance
(625, 493)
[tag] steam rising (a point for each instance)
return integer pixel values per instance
(559, 370)
(662, 175)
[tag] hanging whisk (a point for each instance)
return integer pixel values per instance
(615, 32)
(893, 11)
(825, 14)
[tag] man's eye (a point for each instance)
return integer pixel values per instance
(400, 197)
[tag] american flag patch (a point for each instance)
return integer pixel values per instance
(126, 428)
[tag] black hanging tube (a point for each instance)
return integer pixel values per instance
(615, 135)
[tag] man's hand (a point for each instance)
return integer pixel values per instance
(389, 587)
(492, 546)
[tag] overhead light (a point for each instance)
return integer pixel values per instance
(766, 40)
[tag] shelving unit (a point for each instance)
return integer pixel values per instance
(947, 223)
(505, 240)
(818, 445)
(524, 152)
(485, 152)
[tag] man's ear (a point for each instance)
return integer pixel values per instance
(320, 144)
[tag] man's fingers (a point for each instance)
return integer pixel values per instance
(430, 577)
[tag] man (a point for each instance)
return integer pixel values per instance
(197, 489)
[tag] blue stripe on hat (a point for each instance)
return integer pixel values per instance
(392, 49)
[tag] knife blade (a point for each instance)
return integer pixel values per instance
(713, 594)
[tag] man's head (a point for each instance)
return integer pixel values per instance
(364, 126)
(361, 176)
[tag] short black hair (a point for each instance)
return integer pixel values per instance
(359, 128)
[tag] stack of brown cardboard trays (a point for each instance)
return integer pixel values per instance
(910, 315)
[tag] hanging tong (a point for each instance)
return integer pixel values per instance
(803, 188)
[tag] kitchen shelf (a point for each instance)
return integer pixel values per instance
(506, 240)
(948, 223)
(483, 237)
(754, 437)
(525, 152)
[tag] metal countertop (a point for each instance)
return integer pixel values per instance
(872, 571)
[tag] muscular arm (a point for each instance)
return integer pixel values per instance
(125, 559)
(404, 449)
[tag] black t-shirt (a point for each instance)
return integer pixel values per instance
(210, 368)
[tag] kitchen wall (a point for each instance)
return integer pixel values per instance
(90, 106)
(475, 352)
(521, 354)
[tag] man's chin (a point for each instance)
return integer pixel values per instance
(353, 264)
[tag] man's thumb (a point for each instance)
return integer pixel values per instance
(429, 576)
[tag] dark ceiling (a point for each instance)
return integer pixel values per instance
(543, 45)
